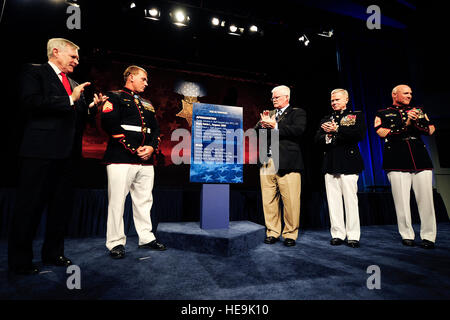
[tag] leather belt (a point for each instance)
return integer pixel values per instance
(136, 128)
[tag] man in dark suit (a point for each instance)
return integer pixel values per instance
(54, 109)
(281, 166)
(339, 134)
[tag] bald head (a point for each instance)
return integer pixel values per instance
(401, 95)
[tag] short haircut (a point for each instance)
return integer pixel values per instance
(284, 90)
(59, 43)
(394, 91)
(343, 91)
(132, 70)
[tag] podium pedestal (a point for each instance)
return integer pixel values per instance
(238, 239)
(215, 206)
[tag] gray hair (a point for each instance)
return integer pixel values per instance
(59, 43)
(283, 90)
(343, 91)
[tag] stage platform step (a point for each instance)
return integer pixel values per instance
(239, 238)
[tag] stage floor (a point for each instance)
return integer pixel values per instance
(312, 270)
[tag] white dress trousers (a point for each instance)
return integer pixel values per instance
(422, 185)
(138, 181)
(345, 186)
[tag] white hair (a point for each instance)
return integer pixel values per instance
(343, 91)
(283, 90)
(59, 43)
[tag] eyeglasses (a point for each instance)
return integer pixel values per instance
(276, 98)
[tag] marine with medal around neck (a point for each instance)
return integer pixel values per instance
(134, 135)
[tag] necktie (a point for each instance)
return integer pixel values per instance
(279, 113)
(66, 83)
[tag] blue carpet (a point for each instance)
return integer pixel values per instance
(312, 270)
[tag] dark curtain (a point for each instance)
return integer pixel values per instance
(370, 65)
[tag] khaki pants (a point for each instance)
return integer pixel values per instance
(287, 189)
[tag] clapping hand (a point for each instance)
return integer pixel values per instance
(329, 126)
(98, 100)
(267, 121)
(78, 90)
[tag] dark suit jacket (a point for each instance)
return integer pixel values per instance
(342, 155)
(291, 126)
(53, 128)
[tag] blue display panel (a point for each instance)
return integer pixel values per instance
(217, 153)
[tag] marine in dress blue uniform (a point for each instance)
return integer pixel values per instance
(339, 134)
(407, 163)
(130, 121)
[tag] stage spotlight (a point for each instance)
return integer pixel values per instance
(132, 5)
(253, 28)
(215, 21)
(327, 34)
(179, 18)
(153, 14)
(234, 30)
(304, 39)
(72, 3)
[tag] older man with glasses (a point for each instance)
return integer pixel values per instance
(281, 166)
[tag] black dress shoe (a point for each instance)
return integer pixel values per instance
(427, 244)
(289, 242)
(154, 245)
(118, 252)
(336, 242)
(59, 261)
(270, 240)
(353, 243)
(408, 242)
(28, 270)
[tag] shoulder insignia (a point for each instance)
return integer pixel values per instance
(107, 107)
(377, 122)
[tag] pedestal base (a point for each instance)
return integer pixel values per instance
(240, 237)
